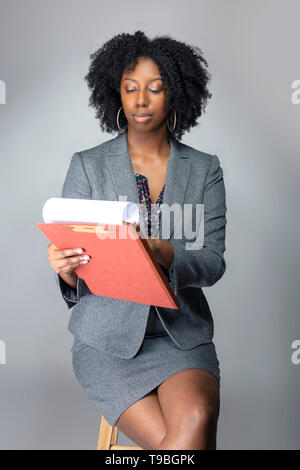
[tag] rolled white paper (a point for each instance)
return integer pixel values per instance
(90, 211)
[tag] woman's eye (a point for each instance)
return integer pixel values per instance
(153, 91)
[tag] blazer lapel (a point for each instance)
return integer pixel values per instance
(122, 174)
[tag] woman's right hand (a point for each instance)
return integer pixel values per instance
(64, 262)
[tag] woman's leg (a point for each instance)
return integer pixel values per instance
(190, 402)
(143, 422)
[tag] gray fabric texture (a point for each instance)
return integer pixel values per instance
(113, 383)
(193, 177)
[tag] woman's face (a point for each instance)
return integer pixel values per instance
(142, 93)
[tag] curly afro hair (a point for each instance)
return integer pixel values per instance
(180, 65)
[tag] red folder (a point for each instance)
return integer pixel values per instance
(121, 265)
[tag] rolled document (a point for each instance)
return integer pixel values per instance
(90, 211)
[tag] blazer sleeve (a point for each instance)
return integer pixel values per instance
(76, 186)
(205, 266)
(69, 295)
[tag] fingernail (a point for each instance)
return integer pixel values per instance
(79, 250)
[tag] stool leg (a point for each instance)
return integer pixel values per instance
(106, 435)
(114, 436)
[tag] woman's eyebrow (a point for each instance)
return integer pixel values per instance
(132, 79)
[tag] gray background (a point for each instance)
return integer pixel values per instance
(250, 123)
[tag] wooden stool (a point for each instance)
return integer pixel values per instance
(108, 437)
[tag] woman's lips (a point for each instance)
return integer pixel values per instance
(142, 118)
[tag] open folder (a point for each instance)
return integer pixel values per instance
(121, 265)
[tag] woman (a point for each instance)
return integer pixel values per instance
(164, 393)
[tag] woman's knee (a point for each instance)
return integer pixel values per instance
(196, 416)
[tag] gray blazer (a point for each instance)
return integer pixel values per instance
(194, 177)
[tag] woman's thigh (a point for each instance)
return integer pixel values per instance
(143, 422)
(188, 396)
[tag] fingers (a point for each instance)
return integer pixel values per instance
(68, 252)
(69, 264)
(66, 261)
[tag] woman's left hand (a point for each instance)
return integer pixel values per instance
(162, 249)
(153, 242)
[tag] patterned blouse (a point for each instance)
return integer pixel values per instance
(145, 200)
(154, 216)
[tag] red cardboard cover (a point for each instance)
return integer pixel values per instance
(121, 265)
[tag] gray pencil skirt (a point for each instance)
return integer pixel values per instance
(113, 384)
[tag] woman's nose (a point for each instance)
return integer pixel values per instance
(142, 98)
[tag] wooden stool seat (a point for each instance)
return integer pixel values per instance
(108, 437)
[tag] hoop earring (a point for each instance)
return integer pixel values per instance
(174, 124)
(118, 120)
